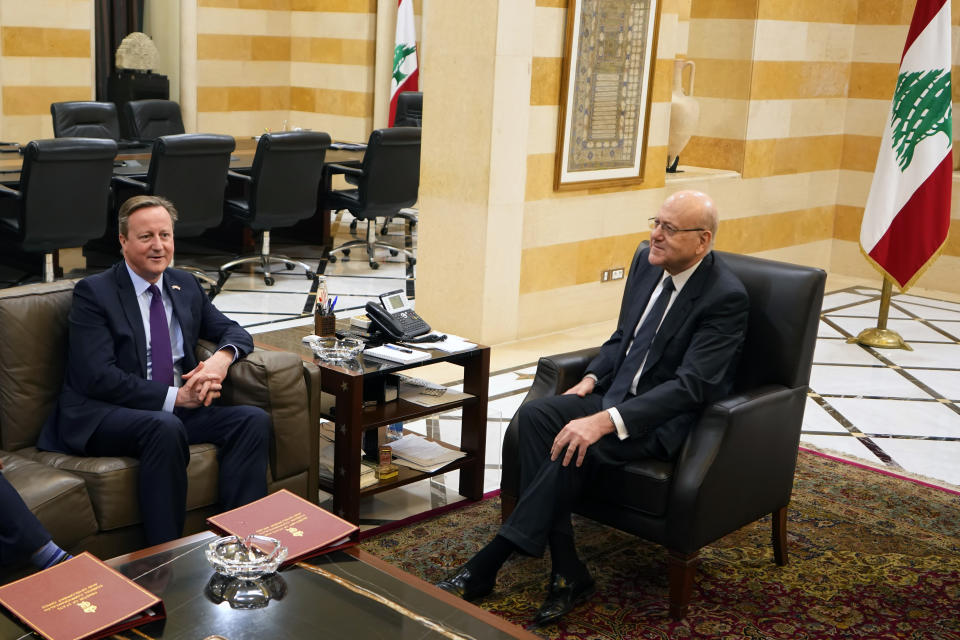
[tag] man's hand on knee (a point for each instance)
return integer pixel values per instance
(579, 434)
(198, 391)
(208, 376)
(583, 387)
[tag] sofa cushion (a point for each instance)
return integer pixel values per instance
(113, 482)
(643, 485)
(31, 377)
(58, 498)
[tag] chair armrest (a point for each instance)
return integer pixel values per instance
(311, 377)
(130, 182)
(236, 175)
(10, 193)
(273, 381)
(335, 168)
(736, 465)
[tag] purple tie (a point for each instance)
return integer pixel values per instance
(161, 353)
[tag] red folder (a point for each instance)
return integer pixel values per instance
(301, 526)
(80, 599)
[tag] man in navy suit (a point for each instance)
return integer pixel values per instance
(133, 386)
(674, 352)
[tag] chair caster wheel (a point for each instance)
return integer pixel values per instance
(374, 265)
(346, 252)
(411, 261)
(289, 267)
(311, 275)
(353, 226)
(331, 258)
(394, 252)
(268, 281)
(383, 230)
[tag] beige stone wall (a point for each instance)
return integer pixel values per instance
(46, 55)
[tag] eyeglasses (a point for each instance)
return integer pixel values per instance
(667, 228)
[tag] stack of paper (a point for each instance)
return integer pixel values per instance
(367, 475)
(429, 396)
(419, 453)
(395, 353)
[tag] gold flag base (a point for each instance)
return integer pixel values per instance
(880, 338)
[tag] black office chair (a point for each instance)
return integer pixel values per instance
(387, 181)
(149, 119)
(63, 199)
(189, 170)
(409, 109)
(281, 189)
(738, 462)
(85, 119)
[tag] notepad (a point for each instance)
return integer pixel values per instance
(394, 353)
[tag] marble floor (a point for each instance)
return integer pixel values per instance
(893, 409)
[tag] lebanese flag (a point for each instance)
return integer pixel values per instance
(907, 215)
(405, 72)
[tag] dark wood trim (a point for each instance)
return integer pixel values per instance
(780, 536)
(441, 595)
(683, 570)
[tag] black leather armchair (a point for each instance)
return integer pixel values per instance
(62, 202)
(738, 463)
(85, 119)
(189, 170)
(409, 109)
(149, 119)
(387, 181)
(281, 189)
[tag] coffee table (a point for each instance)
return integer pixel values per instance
(344, 594)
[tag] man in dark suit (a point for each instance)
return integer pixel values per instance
(21, 534)
(674, 352)
(133, 386)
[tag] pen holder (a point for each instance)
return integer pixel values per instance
(325, 325)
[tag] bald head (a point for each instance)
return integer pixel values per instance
(683, 235)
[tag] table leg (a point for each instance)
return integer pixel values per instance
(347, 446)
(473, 432)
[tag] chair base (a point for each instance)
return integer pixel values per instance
(265, 261)
(370, 244)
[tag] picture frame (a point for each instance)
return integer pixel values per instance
(606, 93)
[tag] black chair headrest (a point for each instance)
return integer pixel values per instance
(186, 144)
(395, 136)
(298, 140)
(54, 149)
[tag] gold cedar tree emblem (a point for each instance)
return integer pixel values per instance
(294, 532)
(87, 607)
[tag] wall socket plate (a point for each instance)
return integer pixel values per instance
(616, 274)
(605, 275)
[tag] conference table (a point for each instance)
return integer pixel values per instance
(135, 161)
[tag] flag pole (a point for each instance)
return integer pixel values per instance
(880, 336)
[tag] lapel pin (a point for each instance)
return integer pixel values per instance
(175, 287)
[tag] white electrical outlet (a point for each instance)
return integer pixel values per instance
(605, 275)
(616, 274)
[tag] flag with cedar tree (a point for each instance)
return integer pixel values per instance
(405, 71)
(907, 215)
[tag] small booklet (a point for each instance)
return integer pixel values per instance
(395, 353)
(80, 599)
(302, 527)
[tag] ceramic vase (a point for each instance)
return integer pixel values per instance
(684, 113)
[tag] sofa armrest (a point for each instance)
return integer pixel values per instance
(273, 381)
(737, 464)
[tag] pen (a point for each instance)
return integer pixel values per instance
(334, 303)
(396, 348)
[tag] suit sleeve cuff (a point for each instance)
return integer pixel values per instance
(592, 377)
(236, 352)
(171, 400)
(618, 423)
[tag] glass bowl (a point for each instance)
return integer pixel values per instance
(332, 349)
(247, 558)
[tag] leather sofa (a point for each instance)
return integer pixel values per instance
(91, 503)
(738, 462)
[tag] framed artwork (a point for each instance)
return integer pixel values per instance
(605, 92)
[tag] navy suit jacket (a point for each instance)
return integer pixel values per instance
(693, 358)
(107, 360)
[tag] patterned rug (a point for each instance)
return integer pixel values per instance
(871, 556)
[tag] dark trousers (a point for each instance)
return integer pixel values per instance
(548, 490)
(20, 532)
(161, 442)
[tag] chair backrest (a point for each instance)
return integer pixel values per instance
(286, 177)
(785, 304)
(391, 171)
(150, 119)
(85, 119)
(65, 186)
(190, 170)
(409, 109)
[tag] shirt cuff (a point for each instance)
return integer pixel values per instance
(236, 352)
(618, 423)
(171, 400)
(592, 377)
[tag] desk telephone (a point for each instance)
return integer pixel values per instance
(395, 316)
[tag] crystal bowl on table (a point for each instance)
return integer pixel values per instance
(247, 558)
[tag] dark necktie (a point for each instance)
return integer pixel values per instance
(628, 370)
(161, 353)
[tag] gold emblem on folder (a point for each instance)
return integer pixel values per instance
(295, 532)
(87, 607)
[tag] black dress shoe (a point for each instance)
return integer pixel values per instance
(464, 584)
(562, 596)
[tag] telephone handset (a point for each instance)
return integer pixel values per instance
(395, 316)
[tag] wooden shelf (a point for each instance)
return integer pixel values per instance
(407, 475)
(400, 410)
